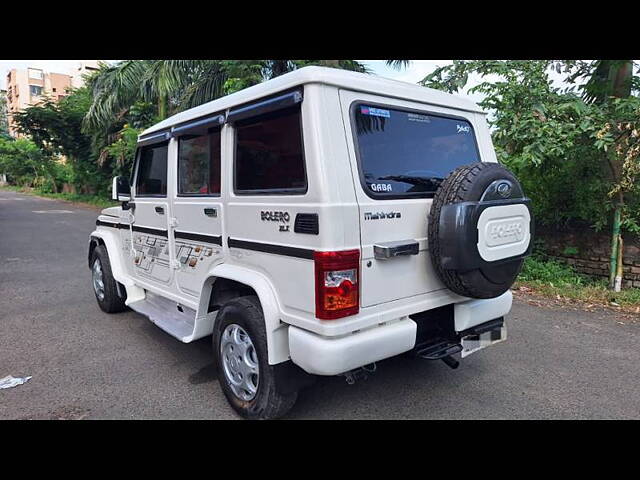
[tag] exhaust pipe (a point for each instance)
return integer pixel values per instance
(451, 362)
(361, 373)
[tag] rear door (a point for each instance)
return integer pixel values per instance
(197, 208)
(400, 151)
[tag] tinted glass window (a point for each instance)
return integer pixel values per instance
(269, 154)
(199, 164)
(152, 170)
(403, 152)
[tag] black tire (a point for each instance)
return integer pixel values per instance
(269, 402)
(112, 302)
(468, 183)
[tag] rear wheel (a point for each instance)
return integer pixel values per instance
(104, 285)
(244, 373)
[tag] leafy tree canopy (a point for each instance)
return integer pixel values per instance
(556, 139)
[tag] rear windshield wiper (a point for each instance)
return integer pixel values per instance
(428, 181)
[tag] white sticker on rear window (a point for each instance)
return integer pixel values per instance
(381, 187)
(463, 128)
(416, 117)
(378, 112)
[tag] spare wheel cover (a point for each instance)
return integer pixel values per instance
(480, 230)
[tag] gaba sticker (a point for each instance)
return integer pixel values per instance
(381, 187)
(377, 112)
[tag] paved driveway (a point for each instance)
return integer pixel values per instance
(87, 364)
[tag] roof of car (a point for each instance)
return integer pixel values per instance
(330, 76)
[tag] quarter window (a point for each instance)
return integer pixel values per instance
(152, 171)
(199, 164)
(269, 154)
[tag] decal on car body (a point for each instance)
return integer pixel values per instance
(381, 215)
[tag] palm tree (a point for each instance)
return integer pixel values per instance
(398, 64)
(175, 85)
(166, 83)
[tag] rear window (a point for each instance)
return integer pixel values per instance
(405, 153)
(199, 164)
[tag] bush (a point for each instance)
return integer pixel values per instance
(537, 269)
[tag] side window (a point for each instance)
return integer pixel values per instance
(199, 164)
(152, 171)
(269, 154)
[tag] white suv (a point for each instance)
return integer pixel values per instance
(316, 224)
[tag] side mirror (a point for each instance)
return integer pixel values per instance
(121, 190)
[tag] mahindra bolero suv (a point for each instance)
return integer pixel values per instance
(316, 224)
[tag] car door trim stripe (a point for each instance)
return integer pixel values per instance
(100, 223)
(198, 237)
(305, 253)
(150, 230)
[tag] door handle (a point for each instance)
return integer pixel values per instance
(160, 210)
(384, 251)
(211, 212)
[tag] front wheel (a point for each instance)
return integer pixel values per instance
(104, 285)
(240, 347)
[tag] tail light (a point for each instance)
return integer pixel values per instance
(337, 284)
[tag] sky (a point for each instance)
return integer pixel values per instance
(417, 70)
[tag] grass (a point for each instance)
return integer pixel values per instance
(557, 280)
(93, 200)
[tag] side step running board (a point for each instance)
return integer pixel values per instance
(440, 350)
(173, 318)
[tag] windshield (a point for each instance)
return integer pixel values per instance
(405, 153)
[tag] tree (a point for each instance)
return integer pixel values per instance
(540, 133)
(176, 85)
(56, 128)
(25, 163)
(96, 127)
(537, 125)
(609, 81)
(398, 64)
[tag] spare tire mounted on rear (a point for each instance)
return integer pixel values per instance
(480, 229)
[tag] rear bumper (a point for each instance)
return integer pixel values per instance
(321, 355)
(330, 356)
(474, 312)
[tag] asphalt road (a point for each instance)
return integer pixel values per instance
(556, 364)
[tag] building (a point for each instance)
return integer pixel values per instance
(27, 87)
(84, 67)
(3, 113)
